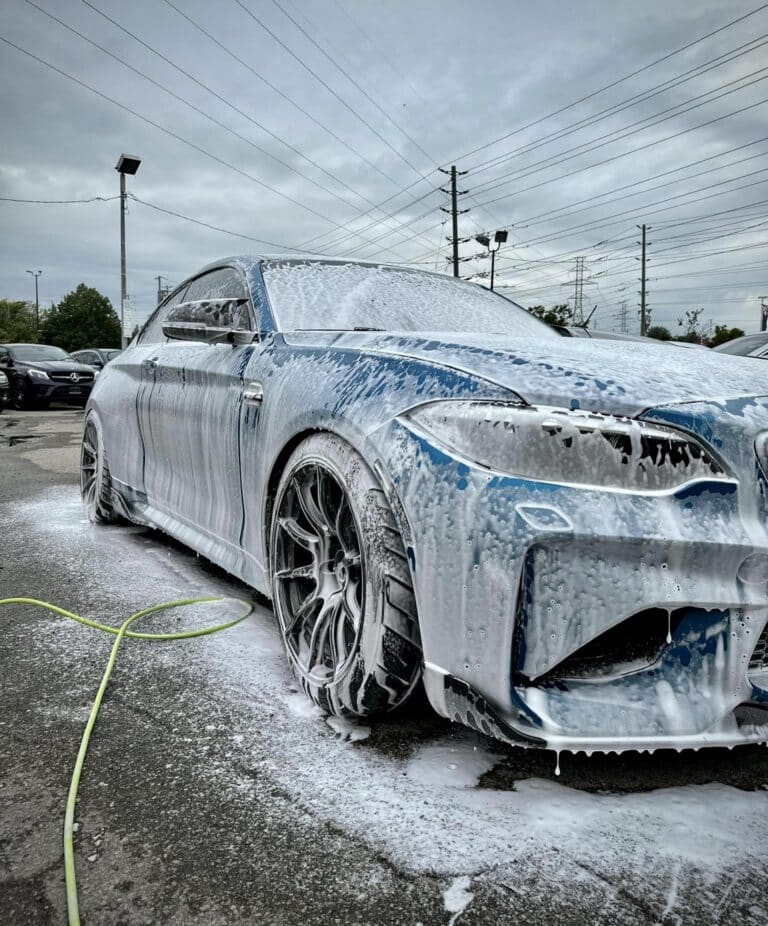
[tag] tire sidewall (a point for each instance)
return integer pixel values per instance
(98, 512)
(357, 480)
(19, 398)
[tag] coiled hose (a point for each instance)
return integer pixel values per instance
(73, 911)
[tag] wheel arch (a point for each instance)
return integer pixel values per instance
(281, 461)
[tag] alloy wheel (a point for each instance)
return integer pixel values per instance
(18, 394)
(89, 464)
(318, 573)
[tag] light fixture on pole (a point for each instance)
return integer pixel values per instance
(498, 239)
(36, 274)
(127, 164)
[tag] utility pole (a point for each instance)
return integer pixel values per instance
(455, 212)
(643, 284)
(36, 274)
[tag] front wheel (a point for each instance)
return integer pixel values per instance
(341, 583)
(19, 394)
(95, 482)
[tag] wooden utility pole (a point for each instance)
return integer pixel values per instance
(454, 193)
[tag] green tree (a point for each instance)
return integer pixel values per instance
(560, 314)
(690, 326)
(83, 318)
(659, 332)
(17, 322)
(723, 333)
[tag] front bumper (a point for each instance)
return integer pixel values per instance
(579, 618)
(54, 391)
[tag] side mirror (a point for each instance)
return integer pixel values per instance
(213, 321)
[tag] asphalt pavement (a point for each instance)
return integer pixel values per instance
(215, 794)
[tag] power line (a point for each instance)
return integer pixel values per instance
(614, 136)
(166, 131)
(226, 231)
(616, 82)
(337, 226)
(352, 80)
(634, 150)
(643, 96)
(595, 93)
(59, 202)
(206, 115)
(330, 89)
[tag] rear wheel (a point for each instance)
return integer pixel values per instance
(95, 483)
(341, 583)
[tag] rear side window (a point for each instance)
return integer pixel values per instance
(153, 330)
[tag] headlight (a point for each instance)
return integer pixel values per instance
(38, 374)
(567, 446)
(3, 378)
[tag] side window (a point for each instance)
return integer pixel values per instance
(224, 283)
(4, 356)
(152, 332)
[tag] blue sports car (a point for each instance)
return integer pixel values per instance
(563, 540)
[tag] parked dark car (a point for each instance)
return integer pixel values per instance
(97, 357)
(4, 390)
(565, 539)
(40, 373)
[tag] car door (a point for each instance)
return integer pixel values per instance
(191, 421)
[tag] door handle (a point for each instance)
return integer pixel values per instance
(151, 363)
(253, 394)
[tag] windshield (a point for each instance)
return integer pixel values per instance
(312, 295)
(34, 352)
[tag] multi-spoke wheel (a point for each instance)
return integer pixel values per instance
(341, 583)
(95, 485)
(19, 394)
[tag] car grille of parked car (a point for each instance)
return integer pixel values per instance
(759, 660)
(67, 377)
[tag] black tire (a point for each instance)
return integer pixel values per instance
(369, 660)
(19, 394)
(95, 482)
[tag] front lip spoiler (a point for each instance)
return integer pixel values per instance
(467, 706)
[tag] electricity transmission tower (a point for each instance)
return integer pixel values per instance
(623, 317)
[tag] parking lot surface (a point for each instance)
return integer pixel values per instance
(214, 792)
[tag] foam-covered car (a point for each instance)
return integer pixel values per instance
(563, 539)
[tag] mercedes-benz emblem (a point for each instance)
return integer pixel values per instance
(75, 377)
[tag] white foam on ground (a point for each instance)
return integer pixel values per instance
(422, 811)
(457, 897)
(450, 765)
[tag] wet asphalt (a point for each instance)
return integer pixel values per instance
(161, 839)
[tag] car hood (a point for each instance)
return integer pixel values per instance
(609, 376)
(54, 366)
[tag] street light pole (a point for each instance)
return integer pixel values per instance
(123, 287)
(36, 274)
(498, 239)
(127, 164)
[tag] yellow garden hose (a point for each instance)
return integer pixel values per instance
(73, 912)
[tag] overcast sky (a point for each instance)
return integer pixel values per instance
(423, 85)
